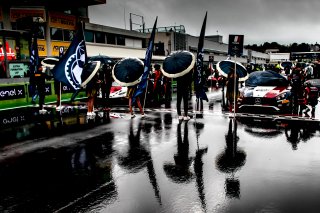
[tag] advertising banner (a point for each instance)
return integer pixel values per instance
(62, 21)
(16, 13)
(56, 45)
(48, 89)
(12, 92)
(235, 47)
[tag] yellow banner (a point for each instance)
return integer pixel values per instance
(55, 46)
(42, 48)
(59, 20)
(16, 13)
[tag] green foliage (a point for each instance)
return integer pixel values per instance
(294, 47)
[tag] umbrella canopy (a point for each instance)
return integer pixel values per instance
(128, 71)
(89, 71)
(266, 78)
(227, 66)
(285, 64)
(178, 64)
(50, 61)
(103, 59)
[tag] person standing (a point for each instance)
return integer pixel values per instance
(157, 85)
(183, 84)
(232, 89)
(296, 79)
(91, 91)
(40, 83)
(130, 93)
(105, 77)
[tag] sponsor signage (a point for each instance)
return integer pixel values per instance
(14, 117)
(47, 89)
(66, 89)
(42, 48)
(235, 47)
(12, 92)
(18, 70)
(62, 21)
(16, 13)
(57, 45)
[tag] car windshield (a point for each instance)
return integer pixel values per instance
(266, 78)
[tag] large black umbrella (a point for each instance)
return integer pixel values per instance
(227, 66)
(178, 64)
(102, 58)
(128, 71)
(89, 71)
(50, 61)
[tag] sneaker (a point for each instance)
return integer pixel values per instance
(143, 115)
(186, 118)
(133, 115)
(180, 117)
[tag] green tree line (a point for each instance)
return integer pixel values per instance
(294, 47)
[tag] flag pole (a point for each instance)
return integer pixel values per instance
(145, 94)
(234, 85)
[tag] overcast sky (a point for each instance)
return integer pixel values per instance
(282, 21)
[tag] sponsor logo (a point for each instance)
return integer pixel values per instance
(12, 92)
(257, 101)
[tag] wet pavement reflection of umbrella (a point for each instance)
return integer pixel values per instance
(128, 71)
(227, 66)
(232, 158)
(178, 64)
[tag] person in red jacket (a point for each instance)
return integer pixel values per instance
(10, 56)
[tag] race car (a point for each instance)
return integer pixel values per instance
(265, 92)
(118, 91)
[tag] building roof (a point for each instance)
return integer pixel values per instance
(55, 3)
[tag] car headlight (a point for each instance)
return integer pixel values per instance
(281, 96)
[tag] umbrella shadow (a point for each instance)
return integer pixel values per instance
(231, 160)
(179, 171)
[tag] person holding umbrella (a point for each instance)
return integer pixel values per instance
(178, 65)
(232, 89)
(127, 72)
(130, 92)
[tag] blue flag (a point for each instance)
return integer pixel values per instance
(198, 75)
(147, 63)
(34, 56)
(70, 66)
(34, 65)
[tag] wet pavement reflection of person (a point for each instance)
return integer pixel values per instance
(51, 179)
(138, 156)
(296, 132)
(198, 166)
(231, 160)
(179, 172)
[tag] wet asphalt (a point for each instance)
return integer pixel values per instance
(211, 163)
